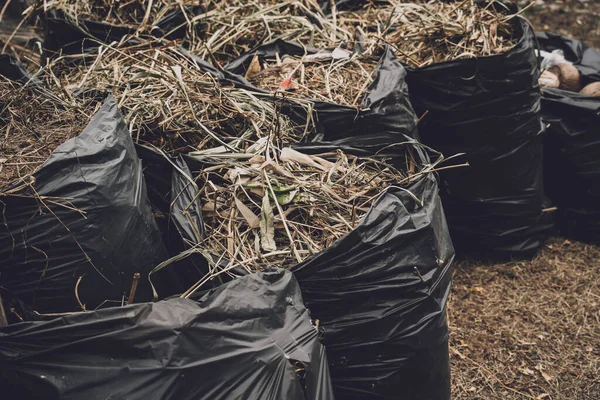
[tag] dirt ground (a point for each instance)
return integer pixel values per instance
(528, 329)
(579, 19)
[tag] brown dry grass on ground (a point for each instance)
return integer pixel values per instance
(528, 330)
(579, 19)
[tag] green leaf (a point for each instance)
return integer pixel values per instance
(283, 189)
(287, 197)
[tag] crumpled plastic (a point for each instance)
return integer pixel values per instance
(249, 339)
(489, 109)
(380, 293)
(94, 230)
(571, 145)
(385, 108)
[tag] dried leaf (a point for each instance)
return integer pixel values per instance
(547, 377)
(177, 71)
(338, 54)
(256, 160)
(494, 33)
(289, 154)
(251, 218)
(274, 167)
(267, 228)
(527, 371)
(323, 162)
(239, 175)
(208, 206)
(253, 68)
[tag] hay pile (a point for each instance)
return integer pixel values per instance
(272, 207)
(168, 100)
(32, 126)
(339, 77)
(428, 32)
(234, 27)
(138, 15)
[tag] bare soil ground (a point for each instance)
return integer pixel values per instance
(579, 19)
(528, 330)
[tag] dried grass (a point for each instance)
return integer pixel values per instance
(233, 27)
(528, 330)
(21, 39)
(425, 33)
(168, 100)
(274, 207)
(135, 14)
(320, 77)
(32, 126)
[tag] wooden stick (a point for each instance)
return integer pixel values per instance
(3, 319)
(136, 278)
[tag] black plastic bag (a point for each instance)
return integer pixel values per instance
(15, 310)
(249, 339)
(84, 226)
(572, 143)
(385, 107)
(380, 296)
(68, 35)
(345, 5)
(172, 194)
(488, 108)
(13, 70)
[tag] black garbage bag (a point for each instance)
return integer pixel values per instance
(351, 5)
(488, 108)
(249, 339)
(572, 143)
(14, 9)
(12, 69)
(380, 296)
(385, 107)
(172, 195)
(83, 226)
(73, 35)
(15, 310)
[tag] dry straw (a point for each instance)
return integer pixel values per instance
(135, 14)
(215, 29)
(232, 28)
(168, 99)
(277, 207)
(425, 33)
(339, 77)
(32, 125)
